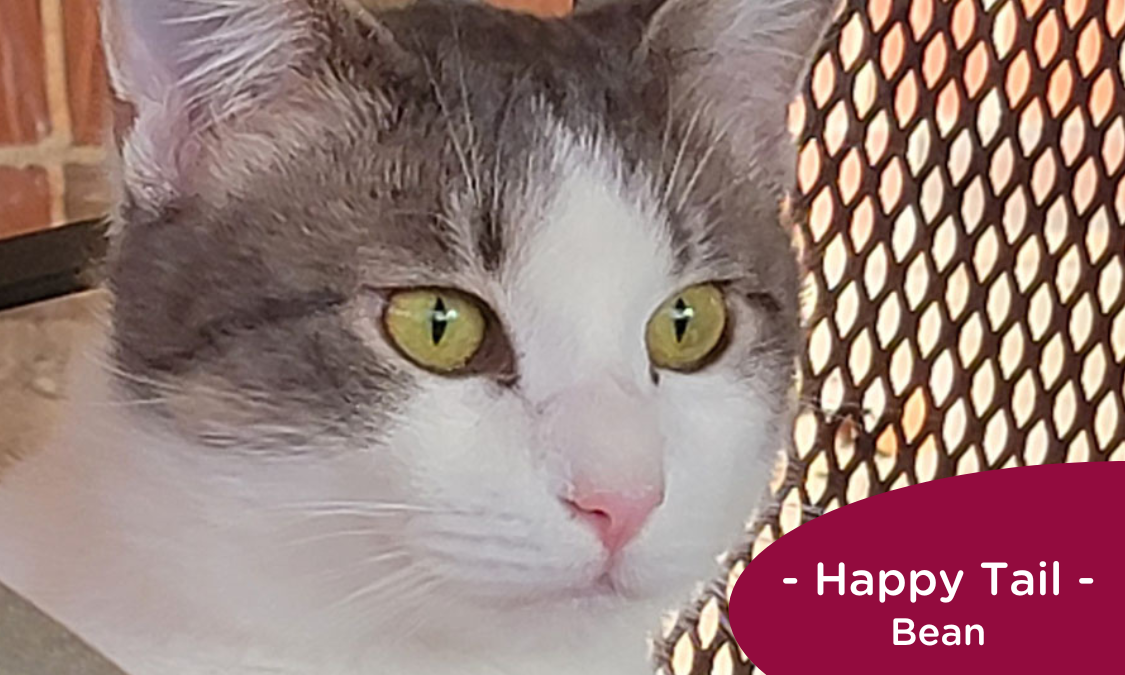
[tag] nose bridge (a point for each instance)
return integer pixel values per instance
(608, 366)
(594, 331)
(607, 439)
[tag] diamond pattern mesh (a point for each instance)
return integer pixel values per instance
(961, 166)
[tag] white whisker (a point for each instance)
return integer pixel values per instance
(354, 508)
(399, 580)
(670, 185)
(458, 147)
(361, 565)
(702, 164)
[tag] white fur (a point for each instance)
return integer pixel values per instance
(445, 548)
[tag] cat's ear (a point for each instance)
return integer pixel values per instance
(738, 64)
(196, 70)
(208, 57)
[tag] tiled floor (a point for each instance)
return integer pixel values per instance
(36, 344)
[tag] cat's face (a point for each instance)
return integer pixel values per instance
(498, 310)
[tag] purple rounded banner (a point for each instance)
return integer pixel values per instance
(1017, 570)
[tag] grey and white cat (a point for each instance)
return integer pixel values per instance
(444, 339)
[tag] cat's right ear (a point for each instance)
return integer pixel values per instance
(199, 73)
(736, 65)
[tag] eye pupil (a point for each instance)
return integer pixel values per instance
(439, 321)
(686, 330)
(682, 315)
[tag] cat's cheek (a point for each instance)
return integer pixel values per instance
(721, 437)
(486, 496)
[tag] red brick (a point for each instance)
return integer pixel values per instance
(86, 72)
(24, 118)
(25, 200)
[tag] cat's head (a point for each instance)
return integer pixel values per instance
(494, 309)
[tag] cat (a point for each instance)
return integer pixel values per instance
(443, 338)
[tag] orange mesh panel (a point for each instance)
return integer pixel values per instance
(961, 164)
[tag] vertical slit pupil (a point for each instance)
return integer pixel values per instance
(681, 316)
(439, 321)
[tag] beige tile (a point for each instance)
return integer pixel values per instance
(37, 343)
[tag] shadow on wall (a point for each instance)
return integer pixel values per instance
(32, 643)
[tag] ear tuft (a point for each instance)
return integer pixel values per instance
(213, 56)
(740, 63)
(186, 66)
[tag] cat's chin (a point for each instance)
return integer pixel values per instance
(604, 592)
(607, 602)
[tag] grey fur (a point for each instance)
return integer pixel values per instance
(232, 305)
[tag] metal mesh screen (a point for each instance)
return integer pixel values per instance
(961, 164)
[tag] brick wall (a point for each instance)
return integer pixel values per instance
(52, 114)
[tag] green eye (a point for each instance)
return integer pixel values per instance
(687, 328)
(438, 330)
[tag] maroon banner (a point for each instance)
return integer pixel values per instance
(1018, 570)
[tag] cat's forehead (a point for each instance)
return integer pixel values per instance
(539, 205)
(594, 255)
(532, 182)
(543, 201)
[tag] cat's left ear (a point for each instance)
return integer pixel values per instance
(199, 73)
(738, 64)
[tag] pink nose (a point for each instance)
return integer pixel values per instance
(616, 517)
